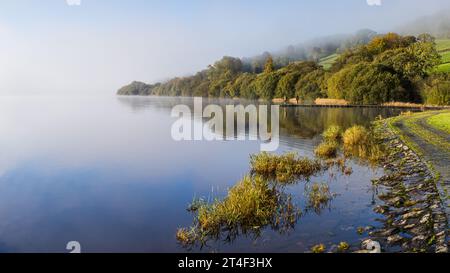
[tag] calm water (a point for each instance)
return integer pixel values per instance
(106, 172)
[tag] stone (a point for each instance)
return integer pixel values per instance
(425, 219)
(412, 214)
(442, 249)
(394, 239)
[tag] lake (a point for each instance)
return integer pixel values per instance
(104, 171)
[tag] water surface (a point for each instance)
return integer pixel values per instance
(105, 171)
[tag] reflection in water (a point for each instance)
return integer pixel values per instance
(105, 171)
(251, 205)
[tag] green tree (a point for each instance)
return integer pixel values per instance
(265, 84)
(286, 85)
(269, 66)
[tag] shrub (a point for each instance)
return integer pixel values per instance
(436, 90)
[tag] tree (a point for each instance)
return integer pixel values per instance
(265, 84)
(286, 85)
(311, 86)
(436, 89)
(269, 66)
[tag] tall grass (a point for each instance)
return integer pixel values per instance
(356, 135)
(333, 133)
(319, 196)
(327, 149)
(284, 169)
(361, 143)
(251, 204)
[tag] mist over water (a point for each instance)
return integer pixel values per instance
(48, 47)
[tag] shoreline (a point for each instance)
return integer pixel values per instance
(415, 208)
(363, 106)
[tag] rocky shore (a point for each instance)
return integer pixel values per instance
(414, 218)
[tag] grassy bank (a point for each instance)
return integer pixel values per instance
(440, 122)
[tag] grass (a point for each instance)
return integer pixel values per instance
(443, 68)
(411, 122)
(328, 61)
(327, 149)
(318, 249)
(441, 122)
(361, 143)
(443, 47)
(343, 246)
(356, 135)
(333, 133)
(284, 169)
(445, 57)
(319, 196)
(250, 205)
(443, 44)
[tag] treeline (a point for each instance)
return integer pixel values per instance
(387, 68)
(313, 50)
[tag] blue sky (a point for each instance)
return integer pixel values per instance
(49, 46)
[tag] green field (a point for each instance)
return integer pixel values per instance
(441, 122)
(443, 44)
(445, 57)
(328, 61)
(443, 68)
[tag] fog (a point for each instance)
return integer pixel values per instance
(50, 47)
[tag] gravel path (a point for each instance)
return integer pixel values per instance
(415, 209)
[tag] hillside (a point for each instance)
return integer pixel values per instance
(389, 68)
(328, 61)
(443, 47)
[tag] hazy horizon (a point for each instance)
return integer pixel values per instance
(50, 47)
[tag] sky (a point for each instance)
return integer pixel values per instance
(93, 47)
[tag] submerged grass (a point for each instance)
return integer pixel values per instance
(327, 149)
(319, 196)
(343, 246)
(284, 169)
(250, 205)
(318, 249)
(356, 135)
(362, 143)
(333, 133)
